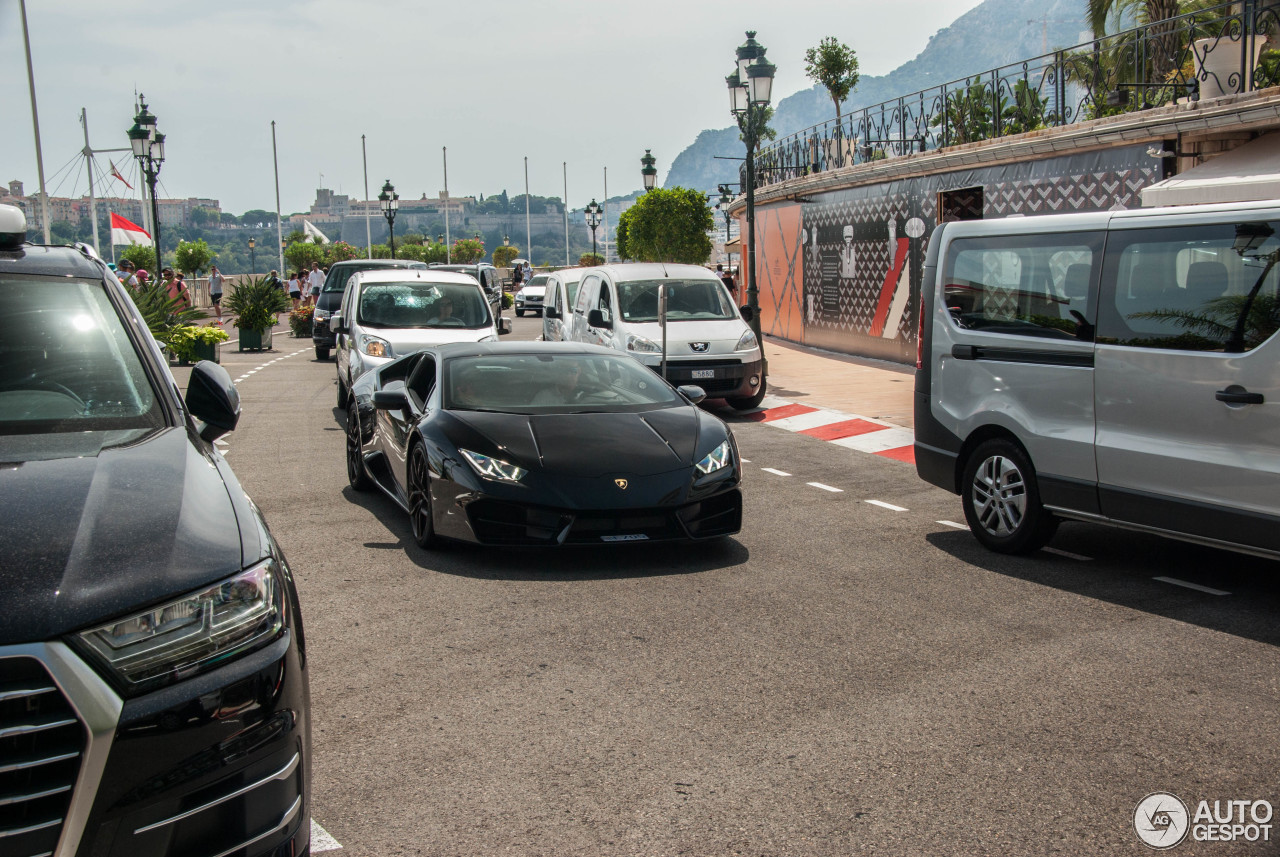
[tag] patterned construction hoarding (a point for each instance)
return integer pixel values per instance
(841, 270)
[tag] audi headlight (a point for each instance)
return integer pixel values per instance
(374, 346)
(193, 634)
(716, 459)
(644, 346)
(493, 468)
(321, 314)
(747, 342)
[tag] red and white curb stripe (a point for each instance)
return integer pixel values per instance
(848, 430)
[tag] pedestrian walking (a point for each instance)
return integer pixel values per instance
(215, 291)
(316, 280)
(517, 277)
(727, 278)
(184, 293)
(295, 288)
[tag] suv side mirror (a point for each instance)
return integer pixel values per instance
(213, 400)
(596, 318)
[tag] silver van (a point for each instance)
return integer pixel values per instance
(1118, 367)
(557, 310)
(708, 343)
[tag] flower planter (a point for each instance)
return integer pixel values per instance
(255, 340)
(206, 351)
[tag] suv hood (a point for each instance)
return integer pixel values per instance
(98, 532)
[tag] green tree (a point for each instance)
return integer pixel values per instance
(436, 252)
(503, 255)
(226, 218)
(468, 250)
(301, 254)
(202, 216)
(141, 255)
(258, 218)
(667, 225)
(192, 257)
(341, 251)
(833, 65)
(295, 237)
(760, 118)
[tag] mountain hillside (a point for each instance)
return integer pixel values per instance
(994, 33)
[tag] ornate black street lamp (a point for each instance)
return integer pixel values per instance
(594, 212)
(148, 148)
(390, 201)
(726, 200)
(253, 257)
(750, 88)
(649, 171)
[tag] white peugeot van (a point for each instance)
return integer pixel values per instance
(557, 310)
(1119, 367)
(387, 314)
(708, 342)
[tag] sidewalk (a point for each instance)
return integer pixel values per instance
(855, 386)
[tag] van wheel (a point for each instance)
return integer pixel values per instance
(750, 403)
(1002, 499)
(322, 352)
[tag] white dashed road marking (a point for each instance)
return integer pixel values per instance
(953, 524)
(1194, 586)
(889, 506)
(1068, 554)
(826, 487)
(775, 472)
(321, 840)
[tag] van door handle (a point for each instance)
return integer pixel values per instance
(1235, 395)
(965, 352)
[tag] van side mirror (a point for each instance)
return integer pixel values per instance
(336, 323)
(504, 325)
(747, 313)
(213, 400)
(596, 318)
(551, 312)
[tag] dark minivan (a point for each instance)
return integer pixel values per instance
(331, 296)
(153, 678)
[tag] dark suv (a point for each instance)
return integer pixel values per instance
(485, 274)
(153, 679)
(331, 296)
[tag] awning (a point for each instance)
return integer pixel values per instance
(734, 246)
(1246, 173)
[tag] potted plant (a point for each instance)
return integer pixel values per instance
(256, 304)
(300, 321)
(191, 343)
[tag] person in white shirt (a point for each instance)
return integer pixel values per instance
(315, 279)
(215, 290)
(295, 288)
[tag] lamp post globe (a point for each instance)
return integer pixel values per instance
(593, 213)
(253, 258)
(390, 201)
(148, 148)
(750, 90)
(648, 170)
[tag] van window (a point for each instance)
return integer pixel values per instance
(1185, 288)
(1027, 285)
(687, 300)
(603, 304)
(584, 297)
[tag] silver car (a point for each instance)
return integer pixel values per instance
(388, 314)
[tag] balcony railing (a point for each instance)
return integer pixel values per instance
(1221, 50)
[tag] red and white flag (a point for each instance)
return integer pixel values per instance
(116, 174)
(126, 232)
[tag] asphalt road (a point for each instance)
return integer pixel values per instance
(842, 677)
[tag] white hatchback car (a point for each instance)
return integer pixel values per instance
(390, 313)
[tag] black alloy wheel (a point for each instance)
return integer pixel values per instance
(1002, 499)
(356, 473)
(424, 532)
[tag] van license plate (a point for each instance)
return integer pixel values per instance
(703, 373)
(633, 537)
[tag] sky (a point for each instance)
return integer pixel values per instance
(587, 84)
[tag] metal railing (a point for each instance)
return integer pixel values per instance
(1221, 50)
